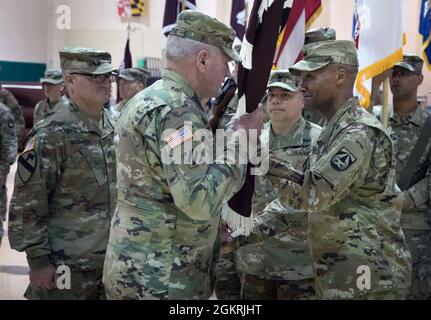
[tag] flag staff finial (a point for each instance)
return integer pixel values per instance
(129, 28)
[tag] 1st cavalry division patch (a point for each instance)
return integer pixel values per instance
(27, 162)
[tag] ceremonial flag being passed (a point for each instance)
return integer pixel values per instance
(172, 10)
(299, 16)
(238, 17)
(257, 56)
(380, 41)
(425, 31)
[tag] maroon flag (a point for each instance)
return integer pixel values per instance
(172, 10)
(127, 61)
(238, 17)
(257, 56)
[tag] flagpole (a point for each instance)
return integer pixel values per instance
(384, 115)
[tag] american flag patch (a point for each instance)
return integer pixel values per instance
(30, 145)
(178, 137)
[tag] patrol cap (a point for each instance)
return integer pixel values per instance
(283, 79)
(52, 77)
(320, 34)
(197, 26)
(85, 60)
(411, 62)
(135, 74)
(320, 54)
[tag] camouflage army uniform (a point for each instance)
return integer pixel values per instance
(9, 100)
(349, 192)
(8, 148)
(45, 108)
(313, 36)
(132, 74)
(276, 255)
(166, 223)
(227, 284)
(415, 219)
(274, 260)
(65, 192)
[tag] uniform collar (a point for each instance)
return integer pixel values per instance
(342, 113)
(416, 118)
(293, 138)
(182, 84)
(84, 122)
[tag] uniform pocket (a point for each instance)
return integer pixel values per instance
(97, 163)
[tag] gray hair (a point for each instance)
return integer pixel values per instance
(178, 48)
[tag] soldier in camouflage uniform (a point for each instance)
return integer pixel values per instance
(405, 127)
(130, 82)
(9, 101)
(53, 86)
(312, 36)
(8, 148)
(167, 218)
(356, 243)
(65, 185)
(274, 260)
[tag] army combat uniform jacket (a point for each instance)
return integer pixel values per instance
(65, 192)
(354, 235)
(9, 100)
(278, 248)
(167, 217)
(8, 148)
(44, 108)
(416, 215)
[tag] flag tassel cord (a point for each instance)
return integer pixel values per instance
(374, 70)
(424, 47)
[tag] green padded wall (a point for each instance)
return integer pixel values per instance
(21, 71)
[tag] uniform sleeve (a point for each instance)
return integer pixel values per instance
(199, 185)
(418, 196)
(37, 112)
(8, 142)
(17, 113)
(37, 172)
(331, 179)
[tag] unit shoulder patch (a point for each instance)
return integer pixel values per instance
(342, 160)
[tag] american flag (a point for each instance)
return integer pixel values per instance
(180, 136)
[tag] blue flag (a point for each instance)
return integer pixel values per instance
(425, 30)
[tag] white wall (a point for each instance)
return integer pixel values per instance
(338, 14)
(96, 24)
(28, 29)
(23, 32)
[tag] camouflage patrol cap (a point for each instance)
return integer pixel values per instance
(411, 62)
(85, 60)
(320, 54)
(320, 34)
(135, 74)
(52, 77)
(283, 79)
(197, 26)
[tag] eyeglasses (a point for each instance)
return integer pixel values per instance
(100, 78)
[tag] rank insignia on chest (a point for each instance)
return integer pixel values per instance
(179, 136)
(342, 160)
